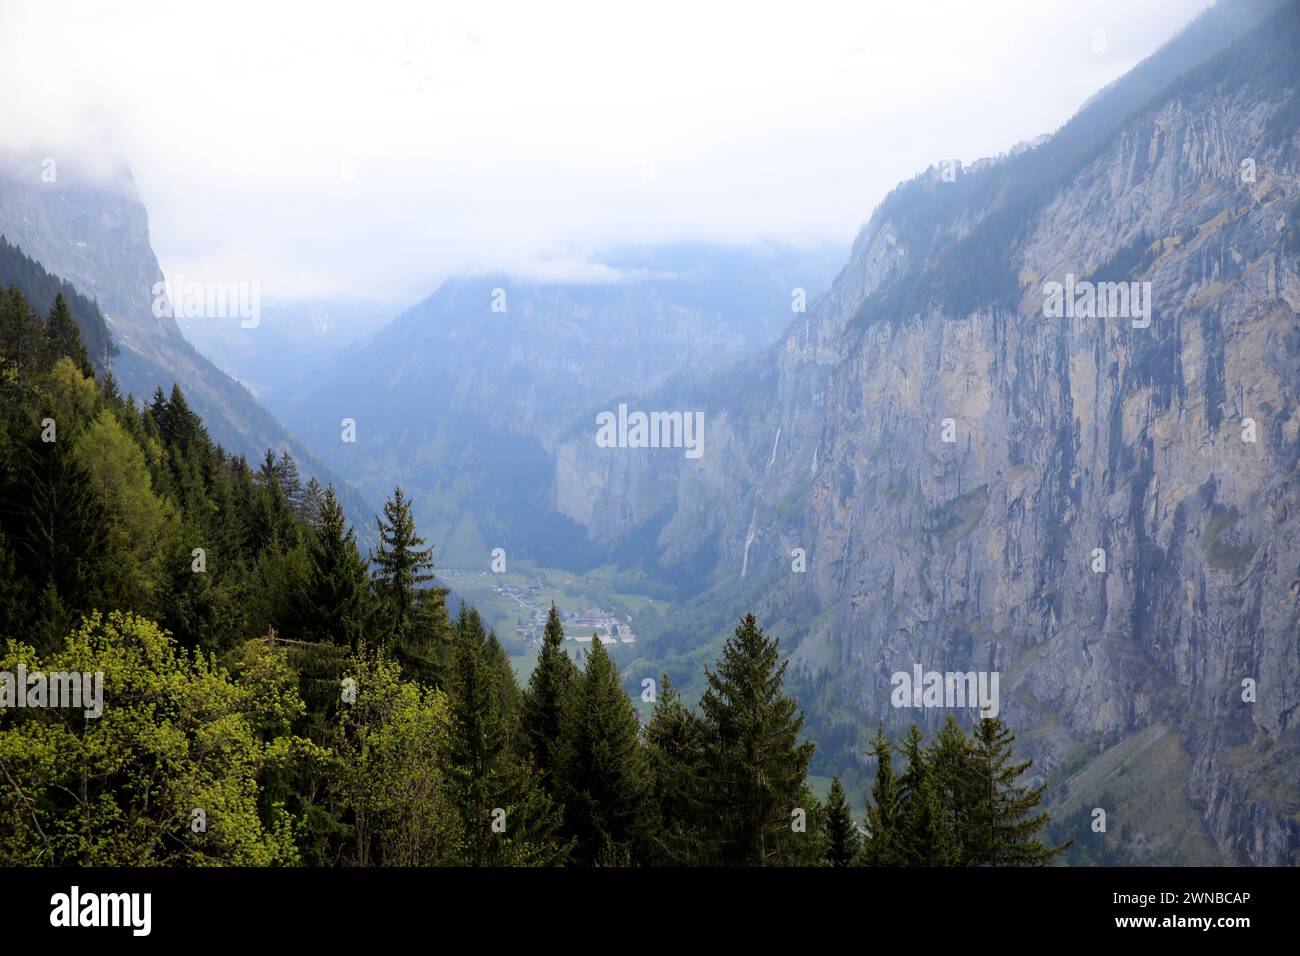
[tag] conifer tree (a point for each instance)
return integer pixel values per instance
(755, 765)
(950, 760)
(506, 817)
(544, 700)
(883, 811)
(675, 750)
(110, 388)
(313, 498)
(268, 473)
(1004, 827)
(401, 562)
(291, 484)
(58, 525)
(603, 776)
(335, 605)
(925, 836)
(180, 426)
(63, 338)
(843, 843)
(22, 346)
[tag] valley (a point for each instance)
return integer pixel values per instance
(1034, 432)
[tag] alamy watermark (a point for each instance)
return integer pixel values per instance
(651, 430)
(55, 689)
(948, 689)
(1098, 300)
(75, 908)
(209, 300)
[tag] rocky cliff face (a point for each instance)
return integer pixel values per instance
(957, 465)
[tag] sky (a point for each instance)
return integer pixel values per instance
(368, 150)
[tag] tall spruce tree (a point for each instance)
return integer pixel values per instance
(545, 698)
(63, 338)
(508, 819)
(843, 843)
(23, 350)
(1003, 825)
(604, 782)
(58, 525)
(675, 750)
(953, 773)
(401, 563)
(885, 808)
(925, 836)
(312, 499)
(754, 762)
(291, 485)
(335, 604)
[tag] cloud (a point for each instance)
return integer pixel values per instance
(337, 149)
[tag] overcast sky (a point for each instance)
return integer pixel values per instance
(370, 149)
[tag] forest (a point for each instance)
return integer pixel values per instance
(273, 696)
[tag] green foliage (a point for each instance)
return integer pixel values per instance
(546, 698)
(755, 766)
(958, 804)
(1003, 825)
(507, 817)
(388, 781)
(401, 563)
(334, 604)
(675, 750)
(44, 291)
(843, 843)
(604, 781)
(176, 734)
(883, 845)
(139, 524)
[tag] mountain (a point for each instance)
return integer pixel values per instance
(291, 343)
(93, 233)
(462, 398)
(1068, 435)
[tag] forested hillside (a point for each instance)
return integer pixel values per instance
(271, 696)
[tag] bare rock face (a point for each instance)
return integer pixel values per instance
(1100, 507)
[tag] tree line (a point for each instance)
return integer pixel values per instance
(275, 697)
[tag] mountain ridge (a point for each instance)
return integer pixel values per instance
(1068, 436)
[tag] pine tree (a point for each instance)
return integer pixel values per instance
(754, 762)
(883, 812)
(22, 347)
(604, 782)
(1003, 825)
(952, 770)
(268, 473)
(59, 526)
(335, 605)
(291, 485)
(843, 843)
(401, 563)
(180, 426)
(675, 750)
(489, 782)
(544, 701)
(313, 499)
(925, 836)
(110, 388)
(63, 338)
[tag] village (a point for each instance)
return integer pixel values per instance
(581, 625)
